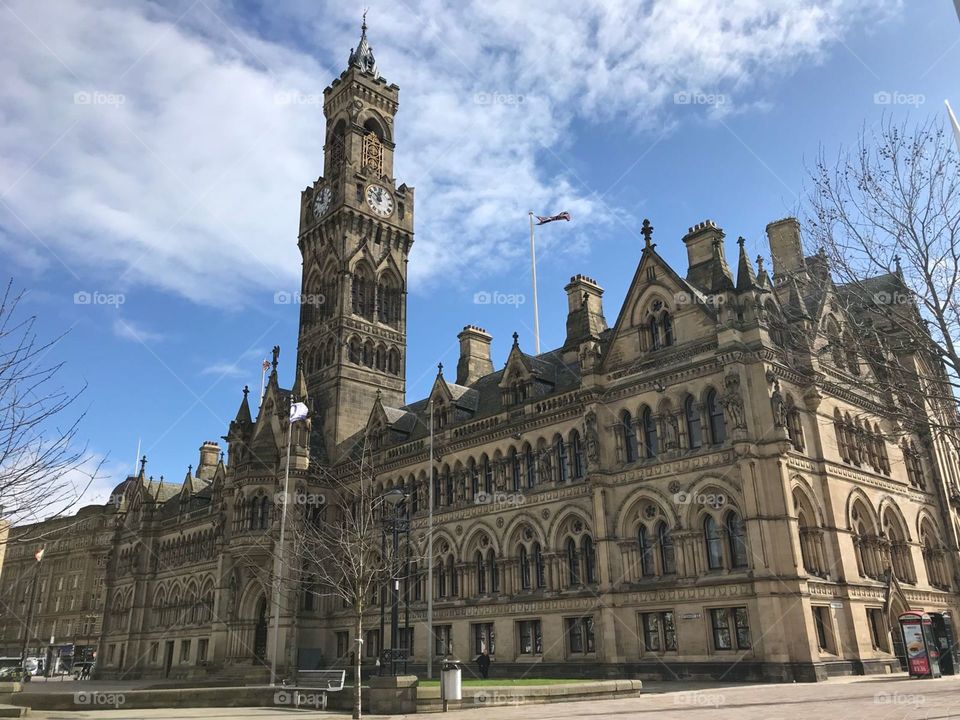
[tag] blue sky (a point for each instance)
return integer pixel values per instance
(156, 152)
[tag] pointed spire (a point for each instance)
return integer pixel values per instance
(721, 278)
(746, 280)
(439, 369)
(647, 232)
(516, 338)
(362, 58)
(300, 386)
(763, 280)
(243, 413)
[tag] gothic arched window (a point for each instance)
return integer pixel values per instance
(524, 568)
(737, 538)
(647, 566)
(573, 563)
(694, 427)
(711, 535)
(718, 427)
(649, 433)
(629, 437)
(668, 563)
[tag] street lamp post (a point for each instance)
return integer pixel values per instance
(393, 499)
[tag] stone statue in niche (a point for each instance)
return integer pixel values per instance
(593, 439)
(671, 431)
(779, 406)
(732, 402)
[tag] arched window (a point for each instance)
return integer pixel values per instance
(531, 465)
(629, 437)
(694, 428)
(668, 564)
(538, 566)
(654, 332)
(441, 579)
(481, 574)
(362, 293)
(524, 568)
(573, 563)
(494, 571)
(452, 571)
(516, 472)
(589, 559)
(711, 534)
(647, 565)
(560, 448)
(718, 427)
(666, 323)
(487, 476)
(353, 351)
(649, 433)
(577, 452)
(474, 478)
(737, 539)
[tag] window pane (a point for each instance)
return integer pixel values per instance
(669, 631)
(721, 629)
(743, 628)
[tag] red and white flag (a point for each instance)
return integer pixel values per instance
(39, 554)
(266, 365)
(544, 219)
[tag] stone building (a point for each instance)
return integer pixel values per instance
(67, 584)
(708, 484)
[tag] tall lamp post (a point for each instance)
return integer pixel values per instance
(393, 499)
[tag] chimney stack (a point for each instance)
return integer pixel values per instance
(785, 248)
(584, 310)
(209, 457)
(475, 359)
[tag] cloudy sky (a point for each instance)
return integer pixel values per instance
(152, 157)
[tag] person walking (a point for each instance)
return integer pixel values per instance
(483, 663)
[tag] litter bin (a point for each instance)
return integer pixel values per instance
(451, 680)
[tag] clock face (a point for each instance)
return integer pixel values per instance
(321, 201)
(380, 200)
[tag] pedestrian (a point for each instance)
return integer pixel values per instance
(483, 662)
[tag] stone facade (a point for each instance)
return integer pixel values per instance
(705, 487)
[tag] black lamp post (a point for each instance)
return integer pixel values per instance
(394, 499)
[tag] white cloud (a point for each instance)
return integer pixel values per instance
(129, 330)
(152, 149)
(224, 369)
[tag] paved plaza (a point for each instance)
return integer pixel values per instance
(885, 698)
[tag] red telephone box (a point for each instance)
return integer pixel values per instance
(918, 642)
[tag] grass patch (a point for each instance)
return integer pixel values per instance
(514, 682)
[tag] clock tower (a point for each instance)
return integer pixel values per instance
(356, 231)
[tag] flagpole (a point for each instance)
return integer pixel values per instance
(278, 561)
(536, 311)
(431, 641)
(263, 376)
(953, 118)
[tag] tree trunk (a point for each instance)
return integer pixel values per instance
(357, 709)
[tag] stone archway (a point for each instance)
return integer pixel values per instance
(260, 632)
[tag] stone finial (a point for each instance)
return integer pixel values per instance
(647, 232)
(143, 464)
(440, 369)
(516, 338)
(276, 357)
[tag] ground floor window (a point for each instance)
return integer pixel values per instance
(372, 643)
(659, 631)
(878, 629)
(530, 637)
(821, 621)
(443, 640)
(580, 635)
(203, 645)
(484, 639)
(405, 640)
(343, 643)
(730, 625)
(184, 651)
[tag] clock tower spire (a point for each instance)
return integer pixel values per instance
(356, 231)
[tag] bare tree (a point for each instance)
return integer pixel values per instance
(340, 546)
(43, 467)
(885, 215)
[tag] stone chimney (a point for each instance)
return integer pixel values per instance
(209, 457)
(785, 249)
(584, 310)
(475, 359)
(705, 256)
